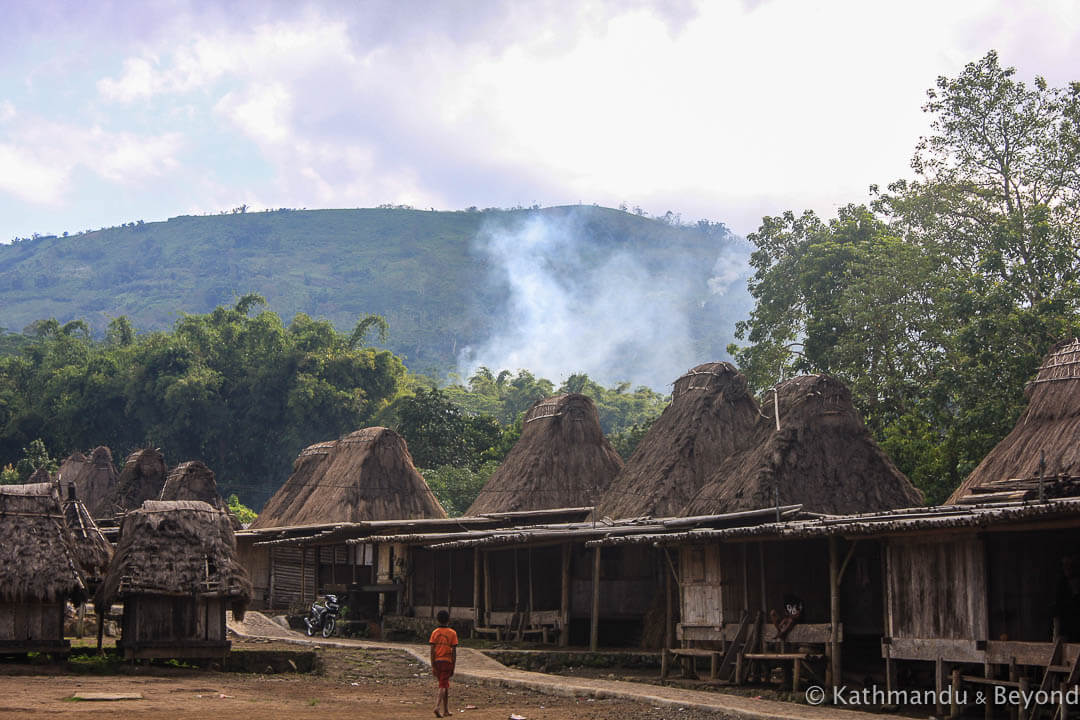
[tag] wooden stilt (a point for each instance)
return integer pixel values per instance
(834, 612)
(668, 640)
(450, 580)
(594, 629)
(564, 601)
(487, 588)
(477, 617)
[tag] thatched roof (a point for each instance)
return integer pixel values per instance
(822, 457)
(192, 480)
(140, 480)
(41, 475)
(712, 415)
(562, 459)
(366, 475)
(1048, 430)
(95, 479)
(38, 560)
(92, 550)
(184, 548)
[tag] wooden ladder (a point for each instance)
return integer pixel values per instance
(1067, 676)
(727, 665)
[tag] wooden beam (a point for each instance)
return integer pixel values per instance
(476, 587)
(834, 611)
(594, 630)
(668, 639)
(487, 587)
(449, 580)
(564, 600)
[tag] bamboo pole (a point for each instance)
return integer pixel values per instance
(594, 630)
(487, 588)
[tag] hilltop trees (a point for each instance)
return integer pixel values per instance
(235, 387)
(937, 302)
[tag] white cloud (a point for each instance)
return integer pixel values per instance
(37, 163)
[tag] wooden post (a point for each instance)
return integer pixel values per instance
(450, 581)
(665, 654)
(303, 573)
(433, 598)
(764, 601)
(834, 612)
(530, 611)
(270, 560)
(594, 630)
(954, 694)
(564, 606)
(487, 588)
(476, 587)
(939, 686)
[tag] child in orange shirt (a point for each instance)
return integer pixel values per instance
(444, 643)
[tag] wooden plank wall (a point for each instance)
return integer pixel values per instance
(287, 565)
(937, 588)
(31, 621)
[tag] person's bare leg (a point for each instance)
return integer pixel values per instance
(438, 702)
(444, 695)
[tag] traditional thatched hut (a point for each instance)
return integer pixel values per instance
(366, 475)
(176, 571)
(94, 478)
(140, 480)
(712, 415)
(92, 550)
(193, 480)
(1046, 439)
(39, 570)
(562, 459)
(818, 454)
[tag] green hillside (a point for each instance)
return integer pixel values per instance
(425, 272)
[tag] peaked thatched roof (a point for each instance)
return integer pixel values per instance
(183, 548)
(140, 480)
(193, 480)
(711, 416)
(95, 479)
(366, 475)
(822, 457)
(41, 475)
(92, 550)
(562, 459)
(1048, 429)
(38, 560)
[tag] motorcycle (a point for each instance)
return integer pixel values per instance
(323, 617)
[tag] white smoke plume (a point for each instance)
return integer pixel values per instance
(578, 304)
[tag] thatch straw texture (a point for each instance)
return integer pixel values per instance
(192, 480)
(712, 415)
(41, 475)
(562, 459)
(181, 548)
(95, 479)
(37, 556)
(1048, 429)
(366, 475)
(140, 480)
(92, 550)
(822, 457)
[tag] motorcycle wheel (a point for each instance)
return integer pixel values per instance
(310, 629)
(328, 627)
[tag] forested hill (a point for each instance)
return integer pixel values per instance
(442, 280)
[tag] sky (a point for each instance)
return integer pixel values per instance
(112, 112)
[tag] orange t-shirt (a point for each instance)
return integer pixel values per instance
(445, 640)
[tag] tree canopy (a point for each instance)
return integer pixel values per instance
(937, 301)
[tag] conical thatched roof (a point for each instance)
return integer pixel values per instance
(366, 475)
(712, 415)
(562, 459)
(92, 550)
(41, 475)
(822, 457)
(38, 560)
(192, 480)
(140, 480)
(95, 479)
(184, 548)
(1048, 429)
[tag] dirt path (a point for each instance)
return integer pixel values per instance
(477, 668)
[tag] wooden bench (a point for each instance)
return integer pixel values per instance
(504, 625)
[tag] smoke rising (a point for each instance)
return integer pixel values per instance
(578, 300)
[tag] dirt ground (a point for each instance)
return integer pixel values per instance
(357, 684)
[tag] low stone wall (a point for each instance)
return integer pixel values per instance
(400, 627)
